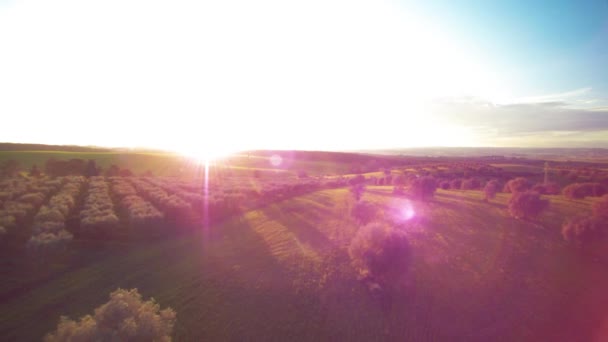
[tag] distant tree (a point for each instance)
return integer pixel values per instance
(600, 208)
(112, 171)
(364, 212)
(445, 185)
(582, 230)
(91, 169)
(9, 168)
(34, 171)
(387, 172)
(423, 188)
(518, 184)
(75, 167)
(125, 173)
(358, 179)
(582, 190)
(552, 188)
(467, 184)
(388, 180)
(302, 174)
(526, 204)
(399, 182)
(357, 190)
(456, 184)
(381, 253)
(490, 190)
(126, 317)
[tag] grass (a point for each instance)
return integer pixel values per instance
(282, 272)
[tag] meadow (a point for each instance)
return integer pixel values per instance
(283, 272)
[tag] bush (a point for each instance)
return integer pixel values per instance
(600, 208)
(490, 190)
(364, 212)
(381, 253)
(527, 204)
(124, 318)
(518, 184)
(423, 187)
(582, 230)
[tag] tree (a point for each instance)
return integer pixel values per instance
(600, 208)
(490, 190)
(456, 184)
(527, 204)
(126, 317)
(34, 171)
(399, 182)
(91, 169)
(423, 188)
(582, 230)
(125, 173)
(381, 253)
(518, 184)
(364, 212)
(113, 171)
(9, 168)
(357, 190)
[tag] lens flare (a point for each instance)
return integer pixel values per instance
(276, 160)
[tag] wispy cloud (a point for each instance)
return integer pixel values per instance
(557, 97)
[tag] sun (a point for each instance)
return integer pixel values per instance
(204, 155)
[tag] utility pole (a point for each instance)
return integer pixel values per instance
(546, 172)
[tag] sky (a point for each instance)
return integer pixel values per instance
(210, 77)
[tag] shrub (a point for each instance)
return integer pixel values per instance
(126, 317)
(518, 184)
(364, 212)
(423, 187)
(600, 208)
(526, 205)
(582, 230)
(490, 190)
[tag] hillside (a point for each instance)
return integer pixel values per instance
(282, 272)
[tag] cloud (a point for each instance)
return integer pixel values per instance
(558, 97)
(522, 118)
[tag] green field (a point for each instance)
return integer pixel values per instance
(282, 272)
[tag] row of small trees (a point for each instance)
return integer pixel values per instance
(49, 228)
(98, 218)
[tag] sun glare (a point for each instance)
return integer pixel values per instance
(204, 155)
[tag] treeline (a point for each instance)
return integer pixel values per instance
(61, 168)
(42, 147)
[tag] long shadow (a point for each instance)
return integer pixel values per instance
(304, 231)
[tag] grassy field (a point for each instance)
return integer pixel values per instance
(282, 272)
